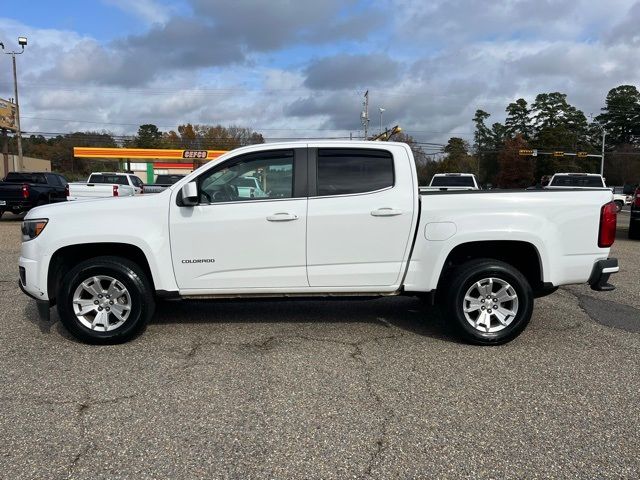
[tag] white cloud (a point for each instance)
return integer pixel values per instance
(441, 61)
(148, 10)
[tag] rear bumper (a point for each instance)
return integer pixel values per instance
(600, 274)
(17, 205)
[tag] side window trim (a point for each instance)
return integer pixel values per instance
(298, 158)
(313, 176)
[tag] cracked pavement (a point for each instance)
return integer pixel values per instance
(324, 389)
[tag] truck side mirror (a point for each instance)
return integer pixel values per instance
(190, 196)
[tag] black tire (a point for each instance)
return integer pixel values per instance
(463, 277)
(1, 213)
(619, 205)
(128, 274)
(634, 229)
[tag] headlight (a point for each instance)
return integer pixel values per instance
(32, 228)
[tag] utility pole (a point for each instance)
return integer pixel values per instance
(22, 41)
(604, 135)
(365, 114)
(18, 131)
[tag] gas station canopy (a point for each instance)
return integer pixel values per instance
(188, 156)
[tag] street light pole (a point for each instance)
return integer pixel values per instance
(381, 110)
(18, 131)
(22, 41)
(604, 135)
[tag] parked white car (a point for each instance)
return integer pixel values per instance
(452, 181)
(586, 181)
(106, 184)
(339, 219)
(249, 187)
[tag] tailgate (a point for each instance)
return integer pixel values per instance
(90, 190)
(10, 191)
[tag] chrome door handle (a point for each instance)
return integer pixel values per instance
(386, 212)
(282, 217)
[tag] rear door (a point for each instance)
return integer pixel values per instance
(56, 193)
(360, 216)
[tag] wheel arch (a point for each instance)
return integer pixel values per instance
(522, 255)
(66, 257)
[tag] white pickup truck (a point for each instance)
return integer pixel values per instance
(106, 184)
(452, 181)
(587, 180)
(340, 219)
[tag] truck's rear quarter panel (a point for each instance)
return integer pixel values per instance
(562, 226)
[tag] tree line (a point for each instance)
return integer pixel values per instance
(549, 123)
(59, 149)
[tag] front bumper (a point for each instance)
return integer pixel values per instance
(600, 274)
(44, 306)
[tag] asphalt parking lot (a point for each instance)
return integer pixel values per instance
(324, 389)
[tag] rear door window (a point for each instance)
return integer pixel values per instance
(452, 181)
(348, 170)
(18, 177)
(117, 179)
(577, 181)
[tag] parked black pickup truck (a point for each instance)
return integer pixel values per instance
(21, 191)
(163, 181)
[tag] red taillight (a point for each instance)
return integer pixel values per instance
(115, 190)
(66, 190)
(25, 191)
(636, 198)
(607, 233)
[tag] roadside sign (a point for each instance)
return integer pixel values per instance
(7, 115)
(194, 154)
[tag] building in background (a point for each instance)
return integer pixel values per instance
(30, 165)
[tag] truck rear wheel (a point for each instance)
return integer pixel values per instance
(634, 230)
(105, 300)
(489, 301)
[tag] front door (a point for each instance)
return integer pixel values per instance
(237, 238)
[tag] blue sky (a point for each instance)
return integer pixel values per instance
(298, 68)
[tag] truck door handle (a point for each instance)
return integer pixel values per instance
(386, 212)
(282, 217)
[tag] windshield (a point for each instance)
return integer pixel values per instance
(19, 177)
(584, 181)
(452, 182)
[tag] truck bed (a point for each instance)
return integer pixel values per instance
(562, 224)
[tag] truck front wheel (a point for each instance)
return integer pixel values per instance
(489, 301)
(105, 300)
